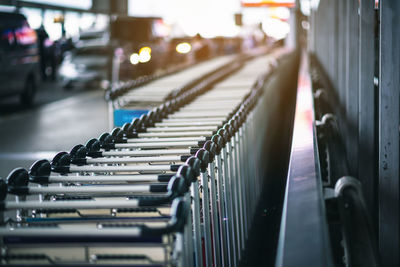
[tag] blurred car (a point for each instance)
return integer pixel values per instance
(181, 50)
(87, 65)
(144, 41)
(92, 36)
(227, 45)
(19, 58)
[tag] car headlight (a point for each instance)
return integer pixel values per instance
(183, 48)
(145, 49)
(134, 58)
(144, 56)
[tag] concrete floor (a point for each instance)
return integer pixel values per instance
(59, 120)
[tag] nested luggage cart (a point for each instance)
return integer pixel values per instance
(131, 99)
(176, 187)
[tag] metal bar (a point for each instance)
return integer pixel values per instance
(225, 252)
(35, 232)
(183, 120)
(134, 160)
(174, 134)
(166, 139)
(240, 188)
(367, 107)
(114, 189)
(228, 211)
(311, 35)
(235, 189)
(230, 201)
(110, 106)
(245, 175)
(330, 12)
(335, 44)
(214, 215)
(206, 219)
(341, 90)
(182, 129)
(83, 204)
(351, 139)
(389, 132)
(103, 178)
(125, 168)
(246, 170)
(189, 237)
(151, 152)
(187, 123)
(157, 145)
(323, 35)
(194, 189)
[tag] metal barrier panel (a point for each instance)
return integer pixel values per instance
(303, 235)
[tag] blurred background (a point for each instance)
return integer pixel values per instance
(77, 40)
(59, 58)
(64, 65)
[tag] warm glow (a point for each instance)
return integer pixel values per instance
(144, 56)
(281, 13)
(269, 3)
(183, 48)
(145, 49)
(58, 19)
(134, 58)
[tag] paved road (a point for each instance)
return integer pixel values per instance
(50, 126)
(48, 92)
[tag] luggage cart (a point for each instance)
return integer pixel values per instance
(92, 240)
(199, 148)
(131, 99)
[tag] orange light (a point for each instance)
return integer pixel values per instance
(145, 49)
(269, 3)
(58, 19)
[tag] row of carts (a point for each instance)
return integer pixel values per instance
(132, 98)
(176, 187)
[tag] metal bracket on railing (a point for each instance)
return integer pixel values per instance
(325, 118)
(360, 245)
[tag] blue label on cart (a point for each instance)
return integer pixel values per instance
(122, 116)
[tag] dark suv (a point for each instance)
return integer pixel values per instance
(19, 58)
